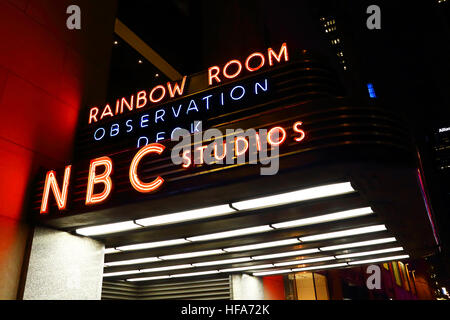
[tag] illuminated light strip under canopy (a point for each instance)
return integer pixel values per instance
(344, 233)
(133, 261)
(267, 273)
(192, 274)
(156, 244)
(303, 261)
(120, 273)
(177, 267)
(368, 253)
(111, 250)
(149, 278)
(391, 258)
(262, 266)
(202, 213)
(262, 245)
(251, 230)
(295, 196)
(186, 216)
(358, 244)
(226, 234)
(336, 265)
(232, 233)
(325, 218)
(191, 254)
(286, 254)
(108, 228)
(263, 273)
(226, 261)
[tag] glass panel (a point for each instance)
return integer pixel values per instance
(321, 287)
(305, 286)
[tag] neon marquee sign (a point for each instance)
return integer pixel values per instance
(164, 105)
(276, 137)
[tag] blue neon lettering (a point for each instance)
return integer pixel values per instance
(129, 125)
(240, 97)
(190, 104)
(114, 130)
(95, 134)
(139, 141)
(266, 87)
(144, 120)
(161, 116)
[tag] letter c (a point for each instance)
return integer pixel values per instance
(137, 184)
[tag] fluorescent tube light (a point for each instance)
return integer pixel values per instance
(120, 273)
(179, 266)
(186, 215)
(286, 254)
(358, 244)
(325, 218)
(268, 273)
(107, 228)
(262, 266)
(304, 261)
(148, 278)
(191, 254)
(111, 250)
(194, 274)
(368, 253)
(327, 266)
(216, 262)
(229, 234)
(263, 245)
(344, 233)
(400, 257)
(295, 196)
(133, 261)
(156, 244)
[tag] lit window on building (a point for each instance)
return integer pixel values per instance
(371, 90)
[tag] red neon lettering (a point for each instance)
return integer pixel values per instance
(103, 178)
(212, 76)
(283, 51)
(238, 152)
(137, 184)
(280, 140)
(296, 129)
(93, 115)
(117, 106)
(128, 105)
(224, 153)
(142, 95)
(236, 73)
(188, 161)
(176, 88)
(201, 149)
(258, 142)
(106, 112)
(60, 196)
(247, 62)
(163, 93)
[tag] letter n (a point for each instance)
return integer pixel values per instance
(60, 195)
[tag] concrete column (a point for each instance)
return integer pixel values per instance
(246, 287)
(63, 267)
